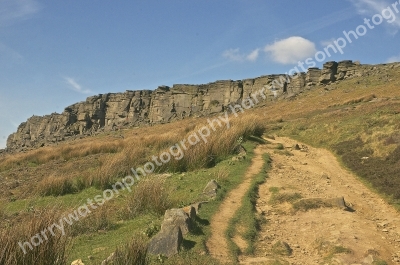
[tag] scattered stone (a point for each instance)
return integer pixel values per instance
(296, 147)
(77, 262)
(281, 248)
(325, 176)
(211, 189)
(167, 242)
(177, 218)
(239, 149)
(270, 137)
(313, 203)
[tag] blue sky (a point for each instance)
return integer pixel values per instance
(56, 53)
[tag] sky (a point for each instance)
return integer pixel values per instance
(56, 53)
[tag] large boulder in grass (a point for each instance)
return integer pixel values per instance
(167, 242)
(211, 189)
(177, 218)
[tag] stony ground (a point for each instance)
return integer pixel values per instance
(367, 232)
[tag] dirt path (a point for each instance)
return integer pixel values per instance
(367, 233)
(217, 244)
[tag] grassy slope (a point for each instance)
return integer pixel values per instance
(343, 120)
(92, 169)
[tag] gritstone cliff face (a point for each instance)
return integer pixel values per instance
(112, 111)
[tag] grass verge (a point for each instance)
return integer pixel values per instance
(246, 221)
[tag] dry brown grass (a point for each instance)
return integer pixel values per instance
(134, 252)
(99, 220)
(149, 196)
(55, 186)
(64, 151)
(51, 251)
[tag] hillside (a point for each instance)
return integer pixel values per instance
(351, 111)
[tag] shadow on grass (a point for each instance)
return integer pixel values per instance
(188, 244)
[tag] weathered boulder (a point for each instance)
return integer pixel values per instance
(167, 242)
(177, 218)
(296, 147)
(313, 203)
(211, 189)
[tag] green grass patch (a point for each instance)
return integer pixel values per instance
(278, 198)
(246, 222)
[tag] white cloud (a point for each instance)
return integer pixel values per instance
(235, 55)
(12, 10)
(291, 50)
(325, 43)
(253, 55)
(393, 59)
(76, 87)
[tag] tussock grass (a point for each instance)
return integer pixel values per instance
(149, 196)
(134, 252)
(65, 151)
(99, 220)
(55, 186)
(52, 251)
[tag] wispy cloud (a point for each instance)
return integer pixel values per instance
(235, 55)
(9, 55)
(325, 43)
(291, 50)
(253, 55)
(310, 26)
(393, 59)
(75, 86)
(382, 7)
(14, 10)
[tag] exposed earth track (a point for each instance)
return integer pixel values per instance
(367, 232)
(217, 245)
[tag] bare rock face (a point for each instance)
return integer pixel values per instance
(312, 77)
(328, 72)
(112, 111)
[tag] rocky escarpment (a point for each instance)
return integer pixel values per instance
(106, 112)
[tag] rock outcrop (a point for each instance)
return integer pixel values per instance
(112, 111)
